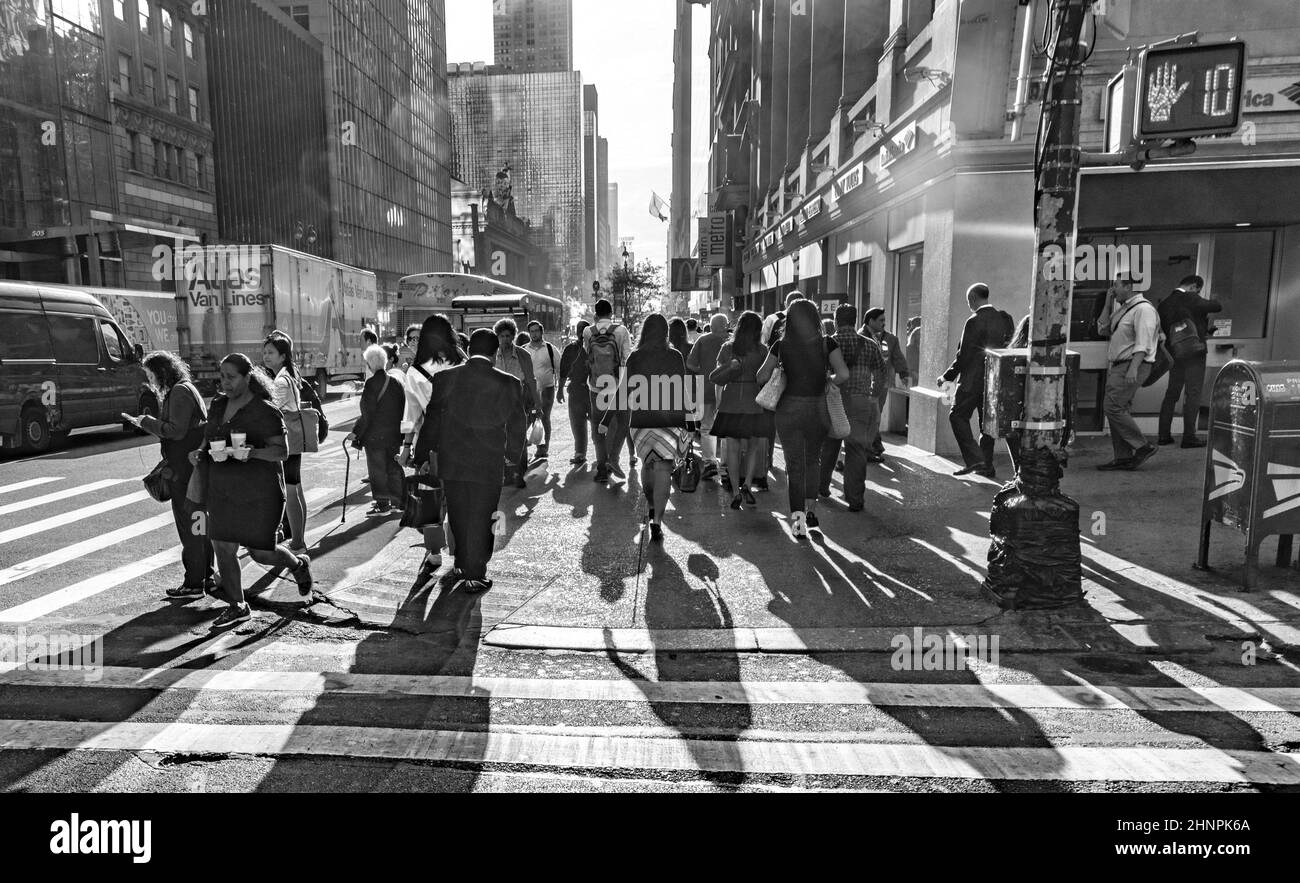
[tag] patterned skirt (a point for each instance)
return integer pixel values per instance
(660, 442)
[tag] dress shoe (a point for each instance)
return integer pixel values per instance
(1141, 455)
(986, 472)
(856, 507)
(1193, 443)
(967, 470)
(1126, 463)
(1167, 440)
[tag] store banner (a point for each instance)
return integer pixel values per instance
(810, 261)
(715, 244)
(1272, 94)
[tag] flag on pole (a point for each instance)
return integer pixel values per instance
(658, 206)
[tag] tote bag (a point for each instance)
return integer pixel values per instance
(301, 425)
(833, 413)
(770, 395)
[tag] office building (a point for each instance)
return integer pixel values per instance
(532, 36)
(874, 151)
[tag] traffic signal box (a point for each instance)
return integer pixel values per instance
(1004, 390)
(1252, 464)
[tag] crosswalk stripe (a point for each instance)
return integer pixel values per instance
(555, 748)
(61, 495)
(31, 482)
(62, 520)
(42, 563)
(881, 695)
(102, 582)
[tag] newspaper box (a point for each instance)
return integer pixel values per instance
(1252, 464)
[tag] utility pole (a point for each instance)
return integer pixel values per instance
(1035, 559)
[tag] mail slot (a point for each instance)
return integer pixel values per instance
(1252, 463)
(1004, 390)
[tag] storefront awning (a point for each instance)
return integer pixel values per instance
(785, 270)
(769, 277)
(810, 261)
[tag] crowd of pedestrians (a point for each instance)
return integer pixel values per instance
(457, 410)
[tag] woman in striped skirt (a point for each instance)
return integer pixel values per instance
(657, 418)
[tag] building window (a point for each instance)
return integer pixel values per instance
(172, 165)
(189, 39)
(149, 86)
(159, 159)
(194, 104)
(133, 148)
(119, 10)
(173, 95)
(165, 16)
(146, 15)
(191, 168)
(124, 71)
(299, 14)
(200, 172)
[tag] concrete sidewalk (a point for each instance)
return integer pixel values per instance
(576, 569)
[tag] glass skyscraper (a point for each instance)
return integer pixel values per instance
(533, 36)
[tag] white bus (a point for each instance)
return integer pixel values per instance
(473, 302)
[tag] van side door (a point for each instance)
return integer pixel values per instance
(118, 369)
(28, 375)
(81, 387)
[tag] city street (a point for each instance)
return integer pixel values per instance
(732, 657)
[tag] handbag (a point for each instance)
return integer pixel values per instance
(301, 426)
(770, 395)
(688, 469)
(159, 482)
(1184, 341)
(834, 416)
(422, 502)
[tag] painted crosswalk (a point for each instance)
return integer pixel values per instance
(56, 496)
(544, 741)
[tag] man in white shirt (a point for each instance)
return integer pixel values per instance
(545, 370)
(608, 428)
(1133, 325)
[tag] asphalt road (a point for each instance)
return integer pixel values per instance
(311, 698)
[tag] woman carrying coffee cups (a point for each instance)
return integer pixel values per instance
(245, 492)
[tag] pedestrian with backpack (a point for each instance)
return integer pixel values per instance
(573, 382)
(546, 371)
(987, 328)
(1184, 318)
(607, 345)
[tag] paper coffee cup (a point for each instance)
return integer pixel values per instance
(238, 439)
(218, 445)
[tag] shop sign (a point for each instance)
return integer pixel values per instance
(690, 274)
(829, 307)
(787, 226)
(812, 209)
(1271, 94)
(716, 246)
(850, 180)
(769, 240)
(904, 142)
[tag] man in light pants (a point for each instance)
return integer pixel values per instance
(1134, 328)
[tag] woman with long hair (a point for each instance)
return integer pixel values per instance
(179, 427)
(742, 420)
(657, 426)
(807, 357)
(286, 394)
(574, 372)
(437, 349)
(244, 489)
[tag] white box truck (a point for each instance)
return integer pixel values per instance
(230, 297)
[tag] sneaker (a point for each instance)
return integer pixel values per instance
(810, 519)
(379, 509)
(450, 578)
(233, 615)
(602, 474)
(302, 575)
(1193, 442)
(474, 586)
(1141, 455)
(183, 591)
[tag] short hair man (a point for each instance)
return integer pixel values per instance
(475, 422)
(546, 370)
(866, 364)
(609, 429)
(1134, 329)
(987, 328)
(895, 366)
(516, 362)
(411, 342)
(1185, 304)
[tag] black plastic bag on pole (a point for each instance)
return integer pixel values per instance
(1034, 560)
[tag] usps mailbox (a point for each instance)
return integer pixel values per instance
(1252, 464)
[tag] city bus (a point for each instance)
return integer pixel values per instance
(473, 302)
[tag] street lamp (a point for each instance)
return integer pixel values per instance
(625, 285)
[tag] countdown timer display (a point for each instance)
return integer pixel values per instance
(1191, 90)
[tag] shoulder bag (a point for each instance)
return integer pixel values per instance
(323, 424)
(301, 425)
(688, 469)
(159, 482)
(835, 418)
(770, 395)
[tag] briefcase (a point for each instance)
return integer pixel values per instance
(422, 502)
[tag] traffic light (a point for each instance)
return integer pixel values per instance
(1189, 91)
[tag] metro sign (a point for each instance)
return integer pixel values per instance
(1189, 91)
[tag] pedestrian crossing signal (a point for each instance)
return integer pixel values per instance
(1189, 91)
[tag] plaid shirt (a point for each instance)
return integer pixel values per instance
(866, 362)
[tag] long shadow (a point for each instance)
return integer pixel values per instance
(672, 601)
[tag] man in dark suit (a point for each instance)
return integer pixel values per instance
(988, 327)
(1185, 302)
(475, 423)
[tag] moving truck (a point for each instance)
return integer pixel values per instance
(230, 297)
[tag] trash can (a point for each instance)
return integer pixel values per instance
(1252, 462)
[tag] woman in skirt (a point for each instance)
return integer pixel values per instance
(657, 426)
(739, 417)
(244, 487)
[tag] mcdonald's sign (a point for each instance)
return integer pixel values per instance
(691, 274)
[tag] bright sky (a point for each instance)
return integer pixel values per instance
(625, 48)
